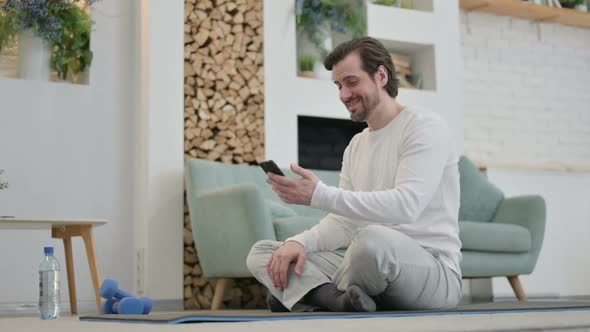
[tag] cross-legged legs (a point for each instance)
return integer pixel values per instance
(381, 265)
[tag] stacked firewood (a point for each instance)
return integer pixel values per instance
(224, 80)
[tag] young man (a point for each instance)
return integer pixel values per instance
(396, 208)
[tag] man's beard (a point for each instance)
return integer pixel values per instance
(368, 103)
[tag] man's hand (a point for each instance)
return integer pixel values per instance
(278, 264)
(294, 191)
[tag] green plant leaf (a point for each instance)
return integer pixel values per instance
(306, 62)
(7, 30)
(3, 185)
(72, 51)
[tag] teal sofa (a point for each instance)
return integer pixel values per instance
(231, 207)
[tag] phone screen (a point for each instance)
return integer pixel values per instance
(270, 166)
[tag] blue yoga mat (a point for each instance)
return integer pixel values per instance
(262, 315)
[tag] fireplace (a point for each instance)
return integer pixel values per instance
(321, 141)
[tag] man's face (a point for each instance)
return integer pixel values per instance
(358, 91)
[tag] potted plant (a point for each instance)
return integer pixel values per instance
(319, 21)
(571, 3)
(306, 64)
(71, 52)
(51, 34)
(3, 185)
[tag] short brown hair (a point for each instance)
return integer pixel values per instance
(373, 54)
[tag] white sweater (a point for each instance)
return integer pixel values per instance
(403, 176)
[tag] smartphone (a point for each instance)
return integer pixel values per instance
(269, 166)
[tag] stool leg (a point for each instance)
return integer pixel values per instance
(91, 254)
(70, 271)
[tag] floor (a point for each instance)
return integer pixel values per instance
(518, 321)
(543, 321)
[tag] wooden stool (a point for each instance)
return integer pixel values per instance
(66, 229)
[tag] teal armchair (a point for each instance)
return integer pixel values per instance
(232, 207)
(501, 237)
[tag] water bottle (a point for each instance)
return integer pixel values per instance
(49, 286)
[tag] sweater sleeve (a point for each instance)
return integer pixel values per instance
(334, 231)
(424, 154)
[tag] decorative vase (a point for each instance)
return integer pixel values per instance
(34, 56)
(320, 71)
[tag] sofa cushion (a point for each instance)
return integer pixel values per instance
(287, 227)
(279, 210)
(494, 237)
(479, 197)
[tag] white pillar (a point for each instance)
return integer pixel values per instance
(158, 201)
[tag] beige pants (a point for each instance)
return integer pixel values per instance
(388, 265)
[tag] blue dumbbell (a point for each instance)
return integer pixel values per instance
(110, 290)
(148, 303)
(126, 306)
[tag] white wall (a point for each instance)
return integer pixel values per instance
(526, 92)
(158, 199)
(67, 151)
(527, 109)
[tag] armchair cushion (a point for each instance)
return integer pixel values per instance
(279, 210)
(287, 227)
(527, 211)
(479, 197)
(494, 237)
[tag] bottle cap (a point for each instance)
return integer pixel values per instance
(48, 250)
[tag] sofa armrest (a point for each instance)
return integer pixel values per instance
(226, 223)
(525, 211)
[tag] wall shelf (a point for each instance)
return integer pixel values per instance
(529, 11)
(422, 58)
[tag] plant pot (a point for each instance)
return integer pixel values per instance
(34, 55)
(80, 78)
(308, 74)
